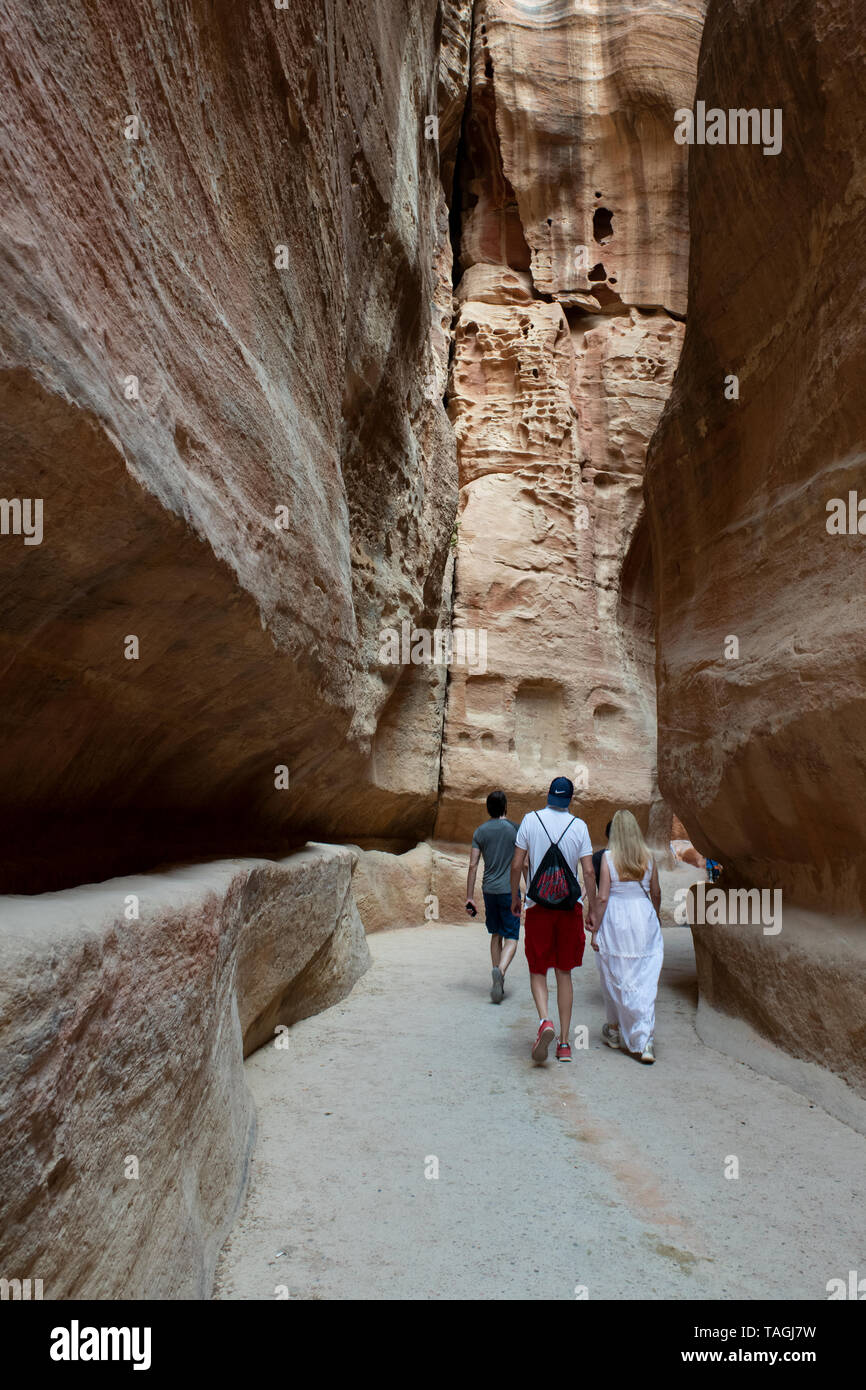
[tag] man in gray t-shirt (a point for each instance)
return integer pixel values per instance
(494, 842)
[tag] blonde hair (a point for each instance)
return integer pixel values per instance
(628, 848)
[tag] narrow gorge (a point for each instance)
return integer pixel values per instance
(334, 337)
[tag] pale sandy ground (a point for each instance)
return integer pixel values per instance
(604, 1174)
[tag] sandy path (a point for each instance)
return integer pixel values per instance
(604, 1174)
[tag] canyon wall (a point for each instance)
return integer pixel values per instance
(127, 1008)
(226, 271)
(223, 245)
(571, 225)
(761, 647)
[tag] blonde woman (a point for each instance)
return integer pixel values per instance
(628, 938)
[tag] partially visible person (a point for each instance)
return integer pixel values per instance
(494, 843)
(628, 939)
(597, 856)
(554, 938)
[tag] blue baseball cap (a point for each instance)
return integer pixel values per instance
(560, 793)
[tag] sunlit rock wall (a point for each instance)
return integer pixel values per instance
(573, 246)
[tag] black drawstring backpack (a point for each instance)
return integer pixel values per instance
(553, 884)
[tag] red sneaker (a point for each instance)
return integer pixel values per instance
(546, 1034)
(563, 1052)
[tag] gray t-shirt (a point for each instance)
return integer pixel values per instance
(495, 839)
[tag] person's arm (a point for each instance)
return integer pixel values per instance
(656, 892)
(601, 901)
(474, 858)
(589, 888)
(518, 864)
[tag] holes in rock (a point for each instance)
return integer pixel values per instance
(535, 371)
(602, 225)
(606, 296)
(488, 67)
(598, 272)
(598, 195)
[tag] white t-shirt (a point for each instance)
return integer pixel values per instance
(575, 843)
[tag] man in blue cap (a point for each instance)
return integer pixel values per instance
(554, 937)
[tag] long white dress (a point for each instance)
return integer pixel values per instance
(630, 954)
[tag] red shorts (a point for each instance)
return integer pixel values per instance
(553, 940)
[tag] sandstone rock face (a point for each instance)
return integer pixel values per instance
(123, 1039)
(584, 97)
(801, 989)
(226, 275)
(224, 245)
(394, 890)
(453, 82)
(426, 884)
(302, 944)
(761, 649)
(557, 382)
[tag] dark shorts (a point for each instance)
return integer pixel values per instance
(553, 940)
(501, 921)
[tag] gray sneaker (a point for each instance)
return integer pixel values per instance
(497, 989)
(648, 1055)
(610, 1035)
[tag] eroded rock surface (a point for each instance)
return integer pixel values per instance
(394, 890)
(558, 377)
(584, 97)
(226, 274)
(127, 1125)
(761, 646)
(223, 239)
